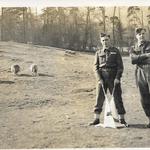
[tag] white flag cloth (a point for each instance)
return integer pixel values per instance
(110, 111)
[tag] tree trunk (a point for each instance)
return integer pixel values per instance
(2, 24)
(149, 31)
(86, 29)
(103, 14)
(142, 18)
(120, 32)
(114, 41)
(24, 24)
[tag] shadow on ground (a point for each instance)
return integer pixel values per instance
(7, 82)
(138, 126)
(45, 75)
(25, 75)
(40, 74)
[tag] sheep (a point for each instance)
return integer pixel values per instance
(15, 69)
(70, 52)
(34, 69)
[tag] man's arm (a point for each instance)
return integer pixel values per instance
(137, 58)
(119, 66)
(96, 67)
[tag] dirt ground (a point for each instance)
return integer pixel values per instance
(53, 110)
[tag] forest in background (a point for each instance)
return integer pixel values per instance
(75, 28)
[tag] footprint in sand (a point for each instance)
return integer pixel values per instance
(138, 138)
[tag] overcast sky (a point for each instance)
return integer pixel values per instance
(74, 3)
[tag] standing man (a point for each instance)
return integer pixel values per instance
(140, 55)
(109, 68)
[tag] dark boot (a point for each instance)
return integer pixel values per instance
(95, 122)
(148, 125)
(122, 121)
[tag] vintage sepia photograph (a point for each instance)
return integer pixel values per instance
(74, 77)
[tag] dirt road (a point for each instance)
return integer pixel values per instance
(54, 109)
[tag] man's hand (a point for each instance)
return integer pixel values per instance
(148, 55)
(101, 82)
(116, 81)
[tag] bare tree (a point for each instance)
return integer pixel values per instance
(87, 26)
(113, 21)
(2, 23)
(148, 21)
(73, 27)
(24, 11)
(134, 20)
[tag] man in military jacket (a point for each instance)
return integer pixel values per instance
(140, 55)
(109, 68)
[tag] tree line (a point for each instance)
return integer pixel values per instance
(73, 28)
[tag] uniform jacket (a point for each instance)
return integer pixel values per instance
(108, 59)
(138, 53)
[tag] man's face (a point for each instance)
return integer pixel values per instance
(105, 41)
(141, 36)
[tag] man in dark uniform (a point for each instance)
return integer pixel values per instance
(109, 68)
(140, 55)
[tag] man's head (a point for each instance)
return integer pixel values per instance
(105, 40)
(140, 34)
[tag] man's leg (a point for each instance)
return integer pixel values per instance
(99, 103)
(145, 98)
(118, 101)
(144, 89)
(119, 104)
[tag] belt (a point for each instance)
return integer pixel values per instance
(108, 69)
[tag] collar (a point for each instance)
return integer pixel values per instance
(106, 49)
(141, 44)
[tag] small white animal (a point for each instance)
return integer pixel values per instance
(34, 69)
(70, 52)
(15, 69)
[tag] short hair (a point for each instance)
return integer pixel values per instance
(138, 30)
(104, 35)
